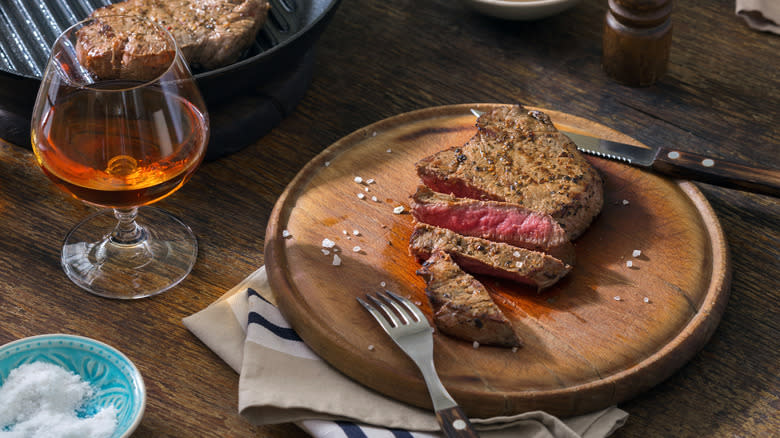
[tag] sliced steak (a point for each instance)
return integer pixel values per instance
(518, 156)
(210, 34)
(462, 307)
(480, 256)
(493, 220)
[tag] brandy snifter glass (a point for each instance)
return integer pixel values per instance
(119, 123)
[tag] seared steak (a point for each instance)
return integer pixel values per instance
(480, 256)
(518, 156)
(112, 49)
(462, 307)
(210, 34)
(493, 220)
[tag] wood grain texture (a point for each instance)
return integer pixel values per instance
(591, 340)
(378, 59)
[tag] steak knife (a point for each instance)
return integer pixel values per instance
(681, 165)
(684, 165)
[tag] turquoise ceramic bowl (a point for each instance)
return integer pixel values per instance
(115, 380)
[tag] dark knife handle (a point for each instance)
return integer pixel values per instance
(455, 424)
(688, 165)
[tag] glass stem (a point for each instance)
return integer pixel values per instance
(127, 231)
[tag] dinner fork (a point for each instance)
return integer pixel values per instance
(409, 329)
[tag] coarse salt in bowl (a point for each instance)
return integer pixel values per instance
(114, 379)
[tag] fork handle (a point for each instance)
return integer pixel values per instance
(455, 424)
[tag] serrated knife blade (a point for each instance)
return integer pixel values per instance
(642, 157)
(681, 164)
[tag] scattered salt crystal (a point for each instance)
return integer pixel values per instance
(371, 347)
(625, 202)
(629, 263)
(383, 284)
(374, 198)
(636, 253)
(399, 209)
(327, 243)
(617, 298)
(356, 249)
(286, 234)
(645, 299)
(514, 349)
(355, 232)
(365, 189)
(361, 196)
(344, 232)
(418, 303)
(373, 134)
(327, 163)
(336, 260)
(516, 254)
(43, 399)
(475, 345)
(358, 180)
(370, 181)
(325, 251)
(349, 237)
(389, 150)
(519, 264)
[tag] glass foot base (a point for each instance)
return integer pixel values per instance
(160, 258)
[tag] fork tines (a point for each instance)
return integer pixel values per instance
(403, 311)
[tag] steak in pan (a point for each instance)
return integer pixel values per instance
(210, 34)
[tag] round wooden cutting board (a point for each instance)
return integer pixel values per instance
(603, 334)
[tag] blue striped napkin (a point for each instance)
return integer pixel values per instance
(281, 380)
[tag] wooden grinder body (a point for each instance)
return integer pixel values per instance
(637, 40)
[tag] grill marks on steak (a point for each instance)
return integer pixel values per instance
(505, 204)
(493, 220)
(519, 157)
(462, 307)
(210, 34)
(480, 256)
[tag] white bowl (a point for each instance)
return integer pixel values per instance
(520, 9)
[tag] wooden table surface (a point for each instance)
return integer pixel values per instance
(377, 59)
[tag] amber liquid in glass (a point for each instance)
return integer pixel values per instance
(120, 149)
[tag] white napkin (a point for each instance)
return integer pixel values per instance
(760, 14)
(281, 380)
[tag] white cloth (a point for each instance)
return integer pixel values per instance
(281, 380)
(760, 14)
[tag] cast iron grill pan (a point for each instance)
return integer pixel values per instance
(28, 28)
(273, 72)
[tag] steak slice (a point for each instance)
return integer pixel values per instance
(462, 307)
(518, 156)
(480, 256)
(210, 34)
(493, 220)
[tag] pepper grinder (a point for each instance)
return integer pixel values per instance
(637, 39)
